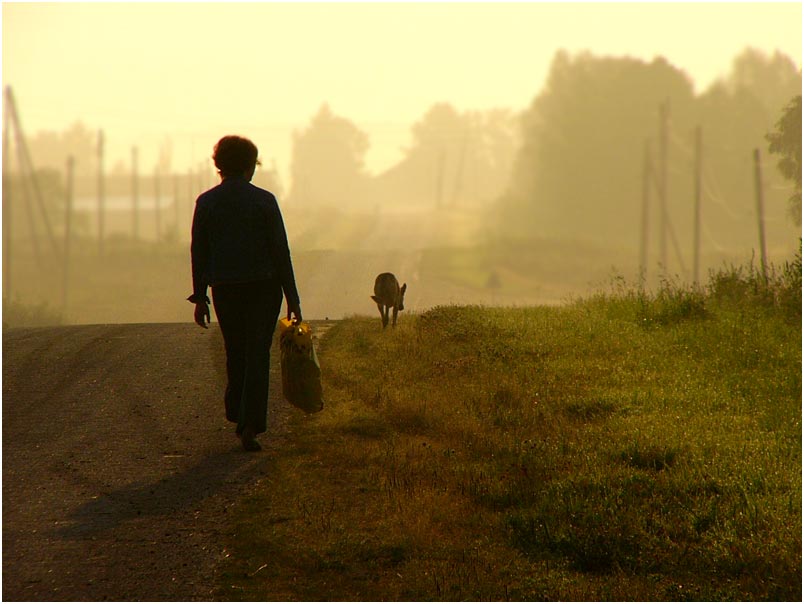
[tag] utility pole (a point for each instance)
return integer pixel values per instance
(134, 196)
(176, 203)
(101, 193)
(68, 218)
(6, 205)
(647, 173)
(760, 213)
(157, 205)
(190, 194)
(27, 169)
(696, 251)
(664, 111)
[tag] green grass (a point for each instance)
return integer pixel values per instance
(629, 446)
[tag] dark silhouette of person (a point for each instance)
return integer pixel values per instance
(240, 249)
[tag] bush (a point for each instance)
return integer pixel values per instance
(19, 314)
(743, 287)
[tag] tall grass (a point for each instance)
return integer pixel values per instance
(631, 445)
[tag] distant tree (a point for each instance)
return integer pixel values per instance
(439, 139)
(29, 223)
(164, 162)
(50, 149)
(736, 114)
(327, 165)
(577, 174)
(455, 158)
(497, 140)
(773, 79)
(268, 178)
(786, 142)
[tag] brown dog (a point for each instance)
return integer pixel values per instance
(387, 295)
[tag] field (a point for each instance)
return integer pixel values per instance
(626, 446)
(446, 257)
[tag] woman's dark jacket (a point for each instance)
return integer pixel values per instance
(239, 236)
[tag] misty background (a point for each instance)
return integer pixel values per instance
(513, 205)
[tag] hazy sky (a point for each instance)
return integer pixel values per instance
(192, 72)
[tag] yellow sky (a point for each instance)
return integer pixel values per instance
(194, 71)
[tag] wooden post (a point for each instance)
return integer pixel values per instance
(101, 193)
(647, 171)
(663, 121)
(157, 206)
(27, 169)
(439, 184)
(134, 196)
(760, 213)
(176, 203)
(68, 218)
(671, 231)
(190, 205)
(696, 244)
(6, 205)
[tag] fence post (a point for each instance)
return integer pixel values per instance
(643, 247)
(760, 213)
(68, 218)
(101, 193)
(696, 252)
(664, 112)
(6, 205)
(134, 196)
(176, 204)
(157, 205)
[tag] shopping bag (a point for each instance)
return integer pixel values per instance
(301, 373)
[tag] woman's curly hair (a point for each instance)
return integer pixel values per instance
(235, 155)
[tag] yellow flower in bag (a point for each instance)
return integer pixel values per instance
(301, 373)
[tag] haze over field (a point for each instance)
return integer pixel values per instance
(485, 152)
(188, 72)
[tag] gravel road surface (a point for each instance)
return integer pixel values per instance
(119, 467)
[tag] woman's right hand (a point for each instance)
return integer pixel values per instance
(201, 314)
(294, 308)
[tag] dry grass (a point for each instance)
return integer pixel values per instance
(627, 447)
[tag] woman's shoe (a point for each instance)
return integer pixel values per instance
(249, 443)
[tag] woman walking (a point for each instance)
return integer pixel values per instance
(240, 249)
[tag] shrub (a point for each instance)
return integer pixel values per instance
(19, 314)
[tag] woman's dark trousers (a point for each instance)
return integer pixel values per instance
(247, 314)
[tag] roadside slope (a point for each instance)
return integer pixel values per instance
(118, 465)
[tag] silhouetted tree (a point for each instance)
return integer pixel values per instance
(454, 159)
(50, 149)
(736, 113)
(327, 166)
(267, 177)
(28, 222)
(786, 142)
(773, 79)
(578, 172)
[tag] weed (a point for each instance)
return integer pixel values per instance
(652, 457)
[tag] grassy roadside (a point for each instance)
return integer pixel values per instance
(628, 446)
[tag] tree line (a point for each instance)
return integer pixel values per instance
(455, 158)
(578, 173)
(568, 166)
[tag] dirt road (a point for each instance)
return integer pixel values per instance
(118, 465)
